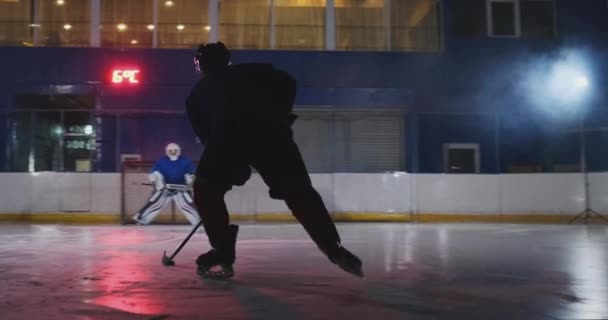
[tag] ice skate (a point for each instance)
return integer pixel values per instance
(347, 261)
(138, 220)
(212, 266)
(218, 264)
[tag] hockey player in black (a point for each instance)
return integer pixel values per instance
(243, 115)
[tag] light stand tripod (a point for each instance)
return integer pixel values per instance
(588, 212)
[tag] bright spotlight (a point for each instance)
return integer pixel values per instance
(581, 82)
(559, 85)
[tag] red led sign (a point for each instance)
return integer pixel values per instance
(125, 76)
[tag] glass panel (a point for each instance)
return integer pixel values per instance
(537, 19)
(360, 25)
(245, 24)
(503, 18)
(415, 25)
(106, 143)
(18, 146)
(461, 160)
(54, 102)
(468, 18)
(16, 18)
(63, 23)
(47, 141)
(299, 24)
(183, 23)
(78, 141)
(126, 23)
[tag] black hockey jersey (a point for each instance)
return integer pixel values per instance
(245, 98)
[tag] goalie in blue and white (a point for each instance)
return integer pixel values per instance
(172, 177)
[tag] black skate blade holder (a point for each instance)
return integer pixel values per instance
(168, 261)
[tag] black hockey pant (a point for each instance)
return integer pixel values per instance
(280, 164)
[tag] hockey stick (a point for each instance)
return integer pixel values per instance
(178, 187)
(168, 186)
(168, 261)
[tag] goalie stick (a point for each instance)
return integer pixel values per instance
(169, 186)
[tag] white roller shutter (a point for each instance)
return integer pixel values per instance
(350, 140)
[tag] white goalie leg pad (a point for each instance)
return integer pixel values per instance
(153, 207)
(184, 203)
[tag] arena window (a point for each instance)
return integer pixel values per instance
(245, 24)
(63, 23)
(125, 23)
(538, 18)
(503, 18)
(299, 24)
(183, 23)
(461, 158)
(17, 26)
(468, 18)
(415, 25)
(52, 133)
(360, 25)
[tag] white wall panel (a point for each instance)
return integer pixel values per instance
(263, 202)
(244, 199)
(458, 193)
(324, 184)
(75, 192)
(342, 192)
(45, 196)
(15, 192)
(542, 193)
(368, 192)
(598, 191)
(105, 190)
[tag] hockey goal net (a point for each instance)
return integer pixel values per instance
(136, 189)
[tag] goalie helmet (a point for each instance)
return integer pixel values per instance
(211, 56)
(173, 151)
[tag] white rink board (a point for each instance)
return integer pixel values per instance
(106, 188)
(561, 193)
(52, 192)
(15, 194)
(343, 192)
(598, 190)
(44, 195)
(367, 192)
(457, 193)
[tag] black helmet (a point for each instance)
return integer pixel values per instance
(211, 56)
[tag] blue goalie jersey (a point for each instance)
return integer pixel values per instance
(174, 171)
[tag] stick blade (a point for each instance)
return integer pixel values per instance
(166, 261)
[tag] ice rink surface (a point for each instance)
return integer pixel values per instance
(433, 271)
